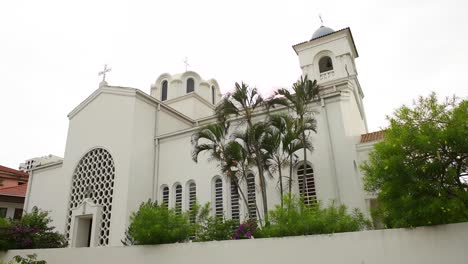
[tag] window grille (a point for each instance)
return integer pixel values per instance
(94, 178)
(307, 187)
(235, 213)
(251, 196)
(165, 196)
(192, 201)
(219, 198)
(178, 199)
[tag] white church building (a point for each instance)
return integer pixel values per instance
(125, 146)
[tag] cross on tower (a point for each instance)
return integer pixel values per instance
(103, 73)
(186, 63)
(321, 20)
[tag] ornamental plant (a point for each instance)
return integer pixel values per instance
(156, 224)
(297, 218)
(246, 229)
(33, 230)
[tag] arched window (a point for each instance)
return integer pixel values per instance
(178, 199)
(165, 196)
(164, 91)
(251, 196)
(93, 178)
(307, 187)
(235, 213)
(191, 201)
(190, 85)
(325, 64)
(218, 191)
(213, 94)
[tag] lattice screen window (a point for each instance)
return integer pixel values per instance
(251, 196)
(192, 200)
(235, 213)
(219, 198)
(94, 178)
(307, 187)
(165, 196)
(178, 199)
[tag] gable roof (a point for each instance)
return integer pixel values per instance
(18, 191)
(373, 136)
(6, 172)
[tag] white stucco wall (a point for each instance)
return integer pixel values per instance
(423, 245)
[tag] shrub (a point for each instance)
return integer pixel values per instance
(296, 219)
(33, 230)
(209, 228)
(156, 224)
(246, 229)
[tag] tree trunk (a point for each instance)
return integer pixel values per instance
(290, 175)
(280, 183)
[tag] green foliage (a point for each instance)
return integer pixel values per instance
(29, 259)
(209, 228)
(296, 219)
(33, 230)
(416, 169)
(156, 224)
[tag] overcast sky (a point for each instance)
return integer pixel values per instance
(51, 52)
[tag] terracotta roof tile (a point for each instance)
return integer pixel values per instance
(13, 171)
(373, 136)
(19, 191)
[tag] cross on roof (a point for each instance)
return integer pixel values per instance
(186, 63)
(103, 72)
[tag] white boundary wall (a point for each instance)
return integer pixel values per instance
(446, 244)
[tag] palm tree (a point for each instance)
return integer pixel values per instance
(286, 140)
(213, 139)
(299, 100)
(243, 101)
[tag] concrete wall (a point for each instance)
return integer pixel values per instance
(428, 245)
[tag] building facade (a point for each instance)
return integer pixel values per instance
(125, 146)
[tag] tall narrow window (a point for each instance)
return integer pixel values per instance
(164, 91)
(213, 94)
(190, 85)
(251, 196)
(307, 186)
(165, 196)
(218, 188)
(235, 213)
(192, 201)
(178, 199)
(325, 64)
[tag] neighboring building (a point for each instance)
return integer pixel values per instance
(39, 161)
(125, 146)
(13, 185)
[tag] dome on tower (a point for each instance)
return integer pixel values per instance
(322, 31)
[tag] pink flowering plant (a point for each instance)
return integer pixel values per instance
(246, 229)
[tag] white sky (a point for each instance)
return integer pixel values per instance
(51, 52)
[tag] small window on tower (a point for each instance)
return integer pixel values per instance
(164, 91)
(190, 85)
(213, 92)
(325, 64)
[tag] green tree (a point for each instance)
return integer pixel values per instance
(243, 102)
(213, 140)
(299, 100)
(280, 145)
(416, 169)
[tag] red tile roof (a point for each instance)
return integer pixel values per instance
(373, 136)
(19, 190)
(4, 169)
